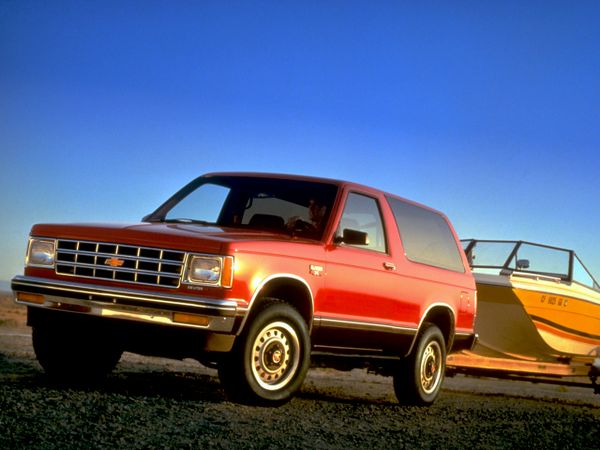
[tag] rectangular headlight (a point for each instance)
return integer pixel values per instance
(40, 253)
(209, 270)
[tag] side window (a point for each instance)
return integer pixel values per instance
(426, 236)
(362, 213)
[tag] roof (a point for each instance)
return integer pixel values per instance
(340, 183)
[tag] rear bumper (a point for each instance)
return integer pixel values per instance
(464, 341)
(214, 315)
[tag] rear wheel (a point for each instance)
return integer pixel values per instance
(75, 354)
(270, 359)
(418, 380)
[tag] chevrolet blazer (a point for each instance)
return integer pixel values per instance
(260, 276)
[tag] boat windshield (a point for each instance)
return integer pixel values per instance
(508, 257)
(261, 203)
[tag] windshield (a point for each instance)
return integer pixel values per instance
(506, 257)
(278, 205)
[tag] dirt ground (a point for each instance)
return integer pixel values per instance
(151, 402)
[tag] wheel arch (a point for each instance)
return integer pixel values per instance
(287, 288)
(442, 316)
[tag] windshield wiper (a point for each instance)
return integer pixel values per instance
(185, 220)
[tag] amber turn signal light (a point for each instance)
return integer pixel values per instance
(227, 273)
(30, 298)
(191, 319)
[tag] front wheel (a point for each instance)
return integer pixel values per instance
(270, 359)
(418, 380)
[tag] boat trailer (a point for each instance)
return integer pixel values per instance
(567, 371)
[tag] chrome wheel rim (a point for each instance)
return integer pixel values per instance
(275, 355)
(431, 367)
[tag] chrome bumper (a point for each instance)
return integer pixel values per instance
(214, 315)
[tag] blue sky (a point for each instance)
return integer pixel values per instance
(488, 111)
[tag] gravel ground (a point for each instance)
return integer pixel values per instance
(154, 402)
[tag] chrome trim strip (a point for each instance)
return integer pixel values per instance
(343, 351)
(464, 334)
(53, 287)
(363, 326)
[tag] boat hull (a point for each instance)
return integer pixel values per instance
(537, 318)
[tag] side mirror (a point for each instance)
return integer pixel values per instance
(522, 264)
(353, 237)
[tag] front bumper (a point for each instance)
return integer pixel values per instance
(214, 315)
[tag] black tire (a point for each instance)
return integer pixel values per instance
(419, 378)
(270, 358)
(75, 354)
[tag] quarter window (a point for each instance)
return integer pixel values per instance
(426, 236)
(362, 213)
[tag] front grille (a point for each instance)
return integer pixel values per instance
(126, 263)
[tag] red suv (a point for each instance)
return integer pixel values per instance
(257, 275)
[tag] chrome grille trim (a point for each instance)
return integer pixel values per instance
(119, 262)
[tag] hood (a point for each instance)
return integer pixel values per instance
(179, 236)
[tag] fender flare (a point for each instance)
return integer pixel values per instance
(425, 318)
(269, 280)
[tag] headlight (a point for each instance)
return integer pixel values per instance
(40, 253)
(210, 270)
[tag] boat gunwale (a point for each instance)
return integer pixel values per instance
(563, 288)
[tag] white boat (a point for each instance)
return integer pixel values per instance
(538, 311)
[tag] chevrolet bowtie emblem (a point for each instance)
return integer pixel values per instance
(114, 262)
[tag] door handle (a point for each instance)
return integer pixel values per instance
(389, 266)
